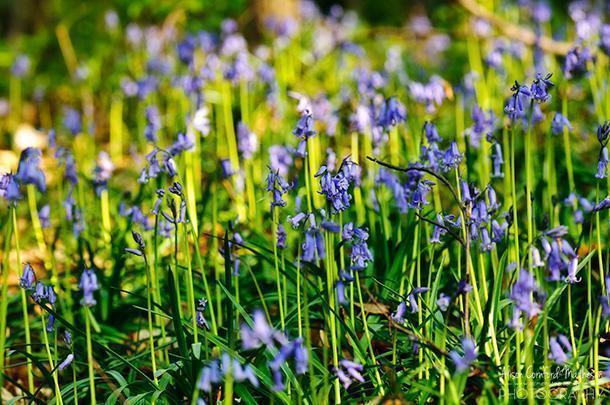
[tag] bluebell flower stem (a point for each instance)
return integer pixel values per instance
(368, 335)
(151, 339)
(31, 191)
(566, 142)
(190, 291)
(87, 314)
(276, 263)
(5, 267)
(45, 337)
(24, 303)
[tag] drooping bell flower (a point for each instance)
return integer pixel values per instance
(540, 87)
(29, 171)
(348, 372)
(560, 349)
(28, 278)
(88, 285)
(463, 362)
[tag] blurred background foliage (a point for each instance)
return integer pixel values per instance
(29, 27)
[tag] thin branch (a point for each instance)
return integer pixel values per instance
(516, 32)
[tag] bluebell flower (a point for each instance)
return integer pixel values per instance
(348, 372)
(281, 237)
(463, 362)
(412, 298)
(9, 188)
(186, 50)
(602, 163)
(278, 186)
(227, 168)
(576, 61)
(335, 187)
(430, 94)
(247, 141)
(452, 157)
(261, 333)
(296, 220)
(560, 349)
(72, 121)
(399, 315)
(540, 87)
(515, 108)
(66, 363)
(391, 113)
(88, 285)
(559, 123)
(44, 215)
(443, 302)
(200, 318)
(482, 124)
(50, 326)
(210, 375)
(40, 292)
(28, 171)
(313, 247)
(431, 132)
(28, 278)
(498, 161)
(153, 123)
(522, 294)
(304, 128)
(102, 172)
(183, 143)
(21, 66)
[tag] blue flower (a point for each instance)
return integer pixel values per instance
(304, 128)
(443, 302)
(27, 280)
(247, 141)
(431, 132)
(522, 294)
(576, 61)
(21, 66)
(9, 188)
(560, 349)
(540, 87)
(88, 285)
(72, 121)
(515, 108)
(463, 362)
(28, 171)
(559, 123)
(348, 371)
(66, 363)
(498, 161)
(391, 113)
(153, 123)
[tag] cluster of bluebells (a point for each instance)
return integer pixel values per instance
(435, 158)
(278, 186)
(603, 134)
(336, 187)
(356, 238)
(40, 292)
(561, 259)
(214, 372)
(263, 334)
(88, 286)
(463, 362)
(409, 304)
(486, 225)
(348, 371)
(525, 295)
(28, 172)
